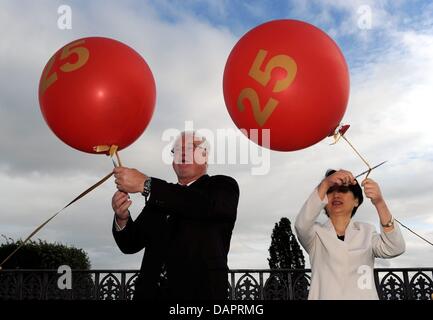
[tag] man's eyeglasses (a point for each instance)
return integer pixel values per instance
(340, 189)
(188, 149)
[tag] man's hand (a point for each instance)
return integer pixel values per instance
(372, 191)
(121, 203)
(129, 180)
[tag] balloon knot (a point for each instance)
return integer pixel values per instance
(109, 150)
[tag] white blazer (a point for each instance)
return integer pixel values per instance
(343, 269)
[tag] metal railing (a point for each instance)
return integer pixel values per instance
(244, 284)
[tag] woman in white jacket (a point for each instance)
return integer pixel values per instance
(342, 251)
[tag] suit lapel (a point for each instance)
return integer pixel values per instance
(351, 231)
(329, 226)
(199, 180)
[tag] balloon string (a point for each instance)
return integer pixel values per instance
(118, 159)
(368, 172)
(354, 149)
(81, 195)
(414, 232)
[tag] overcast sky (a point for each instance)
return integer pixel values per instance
(186, 44)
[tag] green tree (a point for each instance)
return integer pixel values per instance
(285, 252)
(42, 255)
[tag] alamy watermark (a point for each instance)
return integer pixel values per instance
(365, 19)
(64, 282)
(64, 21)
(365, 281)
(223, 146)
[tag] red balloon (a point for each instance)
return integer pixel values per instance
(289, 77)
(97, 91)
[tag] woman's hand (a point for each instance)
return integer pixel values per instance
(339, 178)
(372, 191)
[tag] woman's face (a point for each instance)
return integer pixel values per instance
(341, 201)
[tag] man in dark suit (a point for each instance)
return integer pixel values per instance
(185, 228)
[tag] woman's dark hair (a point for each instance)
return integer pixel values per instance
(354, 188)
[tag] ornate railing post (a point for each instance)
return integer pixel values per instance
(44, 286)
(407, 289)
(96, 290)
(233, 285)
(377, 283)
(261, 293)
(123, 286)
(289, 286)
(20, 285)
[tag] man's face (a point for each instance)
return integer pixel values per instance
(189, 158)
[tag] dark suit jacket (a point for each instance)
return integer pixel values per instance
(185, 231)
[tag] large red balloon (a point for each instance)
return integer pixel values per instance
(97, 91)
(289, 77)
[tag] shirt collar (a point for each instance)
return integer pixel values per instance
(188, 184)
(191, 182)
